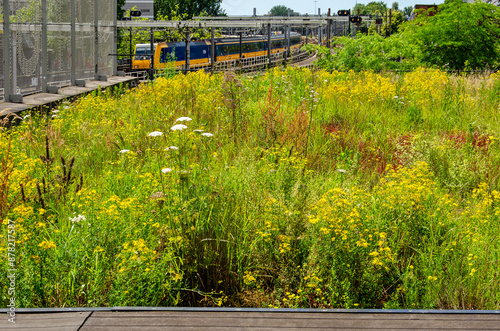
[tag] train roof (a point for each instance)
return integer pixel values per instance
(207, 42)
(255, 38)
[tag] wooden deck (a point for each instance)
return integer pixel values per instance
(37, 100)
(249, 319)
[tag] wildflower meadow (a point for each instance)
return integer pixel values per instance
(291, 188)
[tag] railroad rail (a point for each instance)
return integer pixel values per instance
(243, 65)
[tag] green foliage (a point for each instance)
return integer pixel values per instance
(407, 11)
(120, 12)
(459, 34)
(367, 52)
(306, 189)
(371, 8)
(188, 8)
(281, 10)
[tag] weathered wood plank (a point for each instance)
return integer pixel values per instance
(191, 328)
(293, 321)
(255, 320)
(195, 328)
(52, 321)
(308, 315)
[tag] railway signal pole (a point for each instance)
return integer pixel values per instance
(188, 49)
(212, 49)
(269, 44)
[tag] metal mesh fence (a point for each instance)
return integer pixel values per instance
(85, 41)
(65, 53)
(25, 45)
(106, 37)
(59, 42)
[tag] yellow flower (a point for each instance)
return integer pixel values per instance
(47, 244)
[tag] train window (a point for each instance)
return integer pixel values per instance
(141, 53)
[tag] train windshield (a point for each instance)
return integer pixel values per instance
(142, 52)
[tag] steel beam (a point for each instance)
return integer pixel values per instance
(212, 50)
(96, 40)
(115, 38)
(6, 50)
(269, 46)
(45, 60)
(73, 42)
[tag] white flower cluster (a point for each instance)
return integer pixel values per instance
(155, 134)
(78, 218)
(178, 127)
(183, 119)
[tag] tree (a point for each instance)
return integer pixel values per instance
(370, 9)
(396, 20)
(407, 11)
(281, 10)
(120, 12)
(395, 6)
(188, 8)
(459, 35)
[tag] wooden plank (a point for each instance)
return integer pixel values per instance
(46, 321)
(193, 328)
(7, 108)
(293, 321)
(196, 328)
(266, 321)
(308, 315)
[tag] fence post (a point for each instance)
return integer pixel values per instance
(45, 60)
(328, 36)
(73, 42)
(115, 37)
(6, 50)
(96, 40)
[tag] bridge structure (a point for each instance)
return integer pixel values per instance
(50, 44)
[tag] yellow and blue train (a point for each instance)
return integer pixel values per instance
(200, 51)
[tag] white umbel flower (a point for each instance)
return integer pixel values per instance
(172, 148)
(184, 119)
(155, 134)
(166, 170)
(207, 134)
(178, 127)
(123, 151)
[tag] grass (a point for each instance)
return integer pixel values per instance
(312, 189)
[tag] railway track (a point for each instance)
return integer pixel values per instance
(247, 65)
